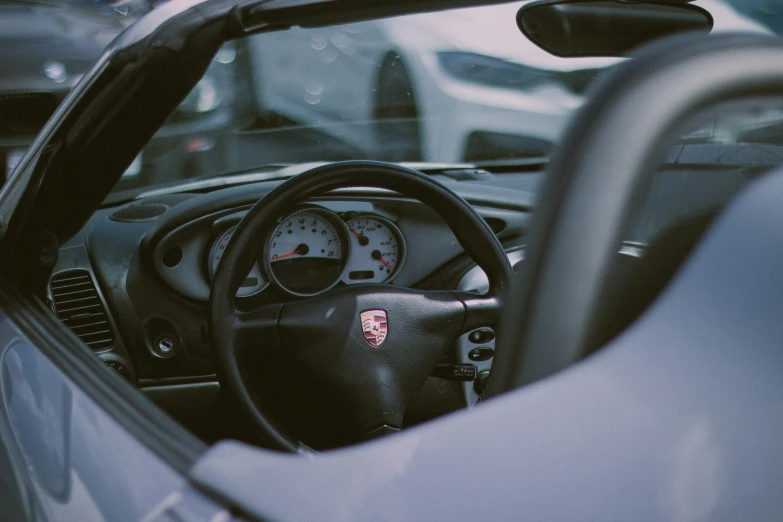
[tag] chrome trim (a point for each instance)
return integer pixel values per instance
(632, 249)
(476, 280)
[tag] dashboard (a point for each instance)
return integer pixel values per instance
(149, 265)
(152, 263)
(144, 271)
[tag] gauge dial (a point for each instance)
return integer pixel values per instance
(377, 250)
(307, 252)
(253, 283)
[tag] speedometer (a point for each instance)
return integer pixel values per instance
(253, 283)
(307, 252)
(377, 253)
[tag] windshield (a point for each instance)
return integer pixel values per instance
(459, 86)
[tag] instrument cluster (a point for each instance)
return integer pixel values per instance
(314, 249)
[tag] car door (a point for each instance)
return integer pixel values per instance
(67, 451)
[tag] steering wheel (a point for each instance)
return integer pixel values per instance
(323, 334)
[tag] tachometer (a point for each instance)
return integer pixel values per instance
(252, 284)
(307, 252)
(377, 250)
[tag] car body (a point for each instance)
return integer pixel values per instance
(109, 345)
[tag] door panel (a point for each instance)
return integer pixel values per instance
(12, 498)
(71, 458)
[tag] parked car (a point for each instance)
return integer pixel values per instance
(431, 84)
(45, 49)
(364, 340)
(424, 83)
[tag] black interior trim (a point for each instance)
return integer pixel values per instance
(174, 381)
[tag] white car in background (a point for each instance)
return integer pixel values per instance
(457, 86)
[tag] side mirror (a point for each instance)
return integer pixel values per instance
(605, 28)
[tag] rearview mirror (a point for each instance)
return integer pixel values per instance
(605, 28)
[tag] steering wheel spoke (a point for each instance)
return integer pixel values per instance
(376, 344)
(480, 310)
(257, 328)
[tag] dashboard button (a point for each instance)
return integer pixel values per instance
(117, 364)
(481, 336)
(118, 367)
(482, 353)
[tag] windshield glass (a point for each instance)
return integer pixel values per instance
(459, 86)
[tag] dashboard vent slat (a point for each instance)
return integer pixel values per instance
(74, 287)
(77, 299)
(78, 305)
(69, 290)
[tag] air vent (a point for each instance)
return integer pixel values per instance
(139, 212)
(78, 306)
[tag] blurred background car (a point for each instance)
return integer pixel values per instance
(431, 87)
(428, 87)
(45, 49)
(196, 138)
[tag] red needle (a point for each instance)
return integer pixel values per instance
(289, 254)
(376, 254)
(362, 238)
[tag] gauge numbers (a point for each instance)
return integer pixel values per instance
(253, 283)
(307, 252)
(377, 250)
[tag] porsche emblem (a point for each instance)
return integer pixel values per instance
(374, 326)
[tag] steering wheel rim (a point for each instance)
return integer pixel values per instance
(280, 323)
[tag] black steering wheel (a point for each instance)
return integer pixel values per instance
(324, 335)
